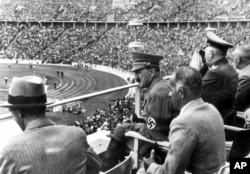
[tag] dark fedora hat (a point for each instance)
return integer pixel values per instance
(143, 60)
(27, 91)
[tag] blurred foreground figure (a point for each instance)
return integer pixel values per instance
(43, 147)
(242, 63)
(197, 138)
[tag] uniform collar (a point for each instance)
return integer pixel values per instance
(155, 80)
(218, 63)
(38, 123)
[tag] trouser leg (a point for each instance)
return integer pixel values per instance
(117, 148)
(116, 151)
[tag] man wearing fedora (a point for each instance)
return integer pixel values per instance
(219, 84)
(43, 147)
(158, 110)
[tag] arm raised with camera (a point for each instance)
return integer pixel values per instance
(198, 62)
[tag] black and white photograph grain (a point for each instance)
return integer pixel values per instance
(124, 86)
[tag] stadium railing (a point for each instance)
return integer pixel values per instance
(137, 102)
(74, 24)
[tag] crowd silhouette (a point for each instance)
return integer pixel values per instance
(119, 111)
(56, 44)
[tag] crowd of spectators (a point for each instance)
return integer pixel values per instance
(56, 44)
(119, 111)
(123, 10)
(96, 44)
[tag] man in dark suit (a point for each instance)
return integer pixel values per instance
(197, 138)
(219, 84)
(43, 147)
(158, 110)
(242, 63)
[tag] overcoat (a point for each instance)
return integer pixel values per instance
(45, 148)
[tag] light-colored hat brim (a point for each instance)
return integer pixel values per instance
(9, 105)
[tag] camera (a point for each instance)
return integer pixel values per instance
(202, 54)
(205, 67)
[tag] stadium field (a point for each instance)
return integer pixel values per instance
(73, 83)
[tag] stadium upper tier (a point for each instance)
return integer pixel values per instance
(102, 10)
(108, 45)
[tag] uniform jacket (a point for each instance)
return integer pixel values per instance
(243, 90)
(45, 148)
(158, 109)
(219, 86)
(197, 141)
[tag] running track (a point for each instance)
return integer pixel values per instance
(74, 83)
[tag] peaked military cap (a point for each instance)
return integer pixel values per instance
(143, 60)
(215, 41)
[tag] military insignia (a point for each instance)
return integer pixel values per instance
(151, 123)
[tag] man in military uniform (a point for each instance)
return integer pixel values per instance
(219, 84)
(158, 109)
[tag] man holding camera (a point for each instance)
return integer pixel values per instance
(219, 84)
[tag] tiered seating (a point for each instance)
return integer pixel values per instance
(154, 10)
(58, 44)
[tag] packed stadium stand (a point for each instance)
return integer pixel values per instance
(96, 32)
(122, 10)
(26, 38)
(56, 44)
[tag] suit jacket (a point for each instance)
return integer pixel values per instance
(45, 148)
(197, 141)
(219, 86)
(158, 109)
(243, 91)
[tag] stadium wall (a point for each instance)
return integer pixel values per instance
(107, 24)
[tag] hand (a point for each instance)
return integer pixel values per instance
(135, 119)
(150, 160)
(196, 61)
(247, 118)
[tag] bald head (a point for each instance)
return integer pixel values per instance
(242, 56)
(244, 51)
(213, 54)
